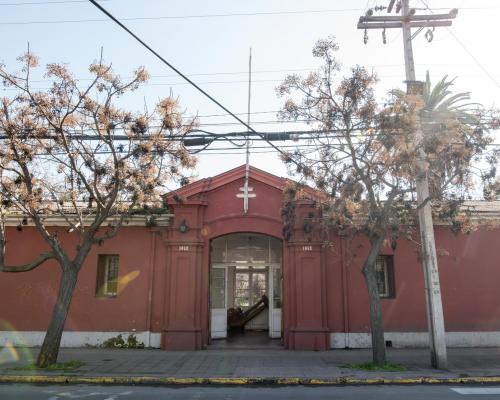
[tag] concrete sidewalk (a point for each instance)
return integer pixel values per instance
(253, 366)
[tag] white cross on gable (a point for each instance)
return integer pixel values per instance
(246, 195)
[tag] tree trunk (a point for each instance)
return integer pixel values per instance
(376, 322)
(50, 347)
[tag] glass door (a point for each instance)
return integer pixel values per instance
(250, 285)
(218, 302)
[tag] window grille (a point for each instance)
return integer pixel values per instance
(384, 269)
(107, 275)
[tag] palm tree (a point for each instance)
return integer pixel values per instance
(442, 112)
(440, 99)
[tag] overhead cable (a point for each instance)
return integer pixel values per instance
(94, 2)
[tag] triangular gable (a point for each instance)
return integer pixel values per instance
(208, 184)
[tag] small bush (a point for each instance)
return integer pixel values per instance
(118, 342)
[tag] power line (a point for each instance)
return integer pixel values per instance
(312, 145)
(33, 3)
(276, 111)
(478, 63)
(30, 3)
(267, 136)
(180, 17)
(177, 71)
(233, 82)
(173, 17)
(269, 71)
(215, 73)
(239, 113)
(240, 151)
(185, 83)
(474, 58)
(485, 125)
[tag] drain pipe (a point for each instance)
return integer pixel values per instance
(345, 293)
(151, 282)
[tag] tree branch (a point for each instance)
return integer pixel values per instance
(26, 267)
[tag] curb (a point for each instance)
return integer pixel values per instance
(165, 381)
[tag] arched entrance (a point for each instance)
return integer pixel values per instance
(245, 285)
(212, 238)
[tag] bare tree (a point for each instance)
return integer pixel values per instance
(71, 152)
(363, 162)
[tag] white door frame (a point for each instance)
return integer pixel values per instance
(275, 314)
(218, 316)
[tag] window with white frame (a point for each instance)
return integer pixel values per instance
(384, 269)
(107, 275)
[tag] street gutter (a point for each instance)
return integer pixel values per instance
(242, 381)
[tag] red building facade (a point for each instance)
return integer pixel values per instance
(176, 282)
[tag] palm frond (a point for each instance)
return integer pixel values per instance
(454, 102)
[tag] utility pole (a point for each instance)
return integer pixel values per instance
(409, 19)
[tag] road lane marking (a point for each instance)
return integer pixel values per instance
(477, 391)
(84, 393)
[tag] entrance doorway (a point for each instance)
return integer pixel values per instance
(245, 287)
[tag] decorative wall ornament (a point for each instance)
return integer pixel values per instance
(307, 226)
(183, 227)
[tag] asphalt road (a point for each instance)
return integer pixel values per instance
(32, 392)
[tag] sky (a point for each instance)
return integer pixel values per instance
(210, 41)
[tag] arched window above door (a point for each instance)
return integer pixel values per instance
(246, 249)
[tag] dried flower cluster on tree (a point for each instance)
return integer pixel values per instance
(73, 153)
(364, 160)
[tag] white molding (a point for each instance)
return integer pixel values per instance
(58, 220)
(338, 340)
(360, 340)
(75, 338)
